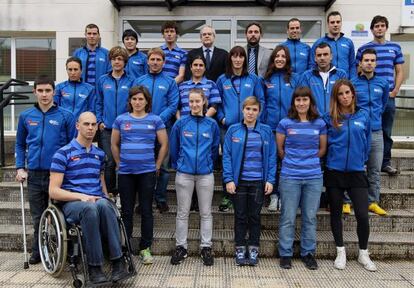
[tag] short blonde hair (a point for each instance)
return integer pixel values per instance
(251, 100)
(156, 50)
(118, 51)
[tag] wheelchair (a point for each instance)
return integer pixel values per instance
(60, 242)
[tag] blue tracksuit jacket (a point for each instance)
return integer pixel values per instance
(348, 146)
(40, 135)
(137, 65)
(300, 55)
(194, 143)
(102, 62)
(234, 148)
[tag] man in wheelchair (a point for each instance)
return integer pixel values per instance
(76, 179)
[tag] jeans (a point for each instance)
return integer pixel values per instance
(373, 168)
(97, 220)
(129, 185)
(38, 189)
(110, 175)
(184, 185)
(248, 202)
(305, 194)
(387, 122)
(162, 180)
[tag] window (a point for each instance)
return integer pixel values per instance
(5, 59)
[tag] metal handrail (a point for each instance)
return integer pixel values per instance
(4, 102)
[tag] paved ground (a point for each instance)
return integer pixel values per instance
(224, 274)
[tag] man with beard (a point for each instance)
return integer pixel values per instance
(257, 55)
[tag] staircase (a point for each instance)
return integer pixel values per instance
(391, 236)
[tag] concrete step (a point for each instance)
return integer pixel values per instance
(381, 245)
(390, 198)
(395, 221)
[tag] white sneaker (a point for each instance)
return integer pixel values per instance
(364, 260)
(273, 203)
(340, 261)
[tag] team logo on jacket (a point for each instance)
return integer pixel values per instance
(127, 126)
(150, 126)
(136, 62)
(332, 82)
(107, 86)
(344, 45)
(287, 84)
(206, 135)
(360, 124)
(177, 57)
(247, 85)
(102, 59)
(227, 87)
(303, 54)
(377, 90)
(292, 131)
(124, 87)
(75, 158)
(82, 95)
(54, 122)
(65, 94)
(32, 123)
(235, 139)
(162, 87)
(188, 134)
(270, 85)
(96, 157)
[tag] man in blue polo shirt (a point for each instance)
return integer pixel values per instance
(343, 51)
(76, 179)
(42, 130)
(175, 57)
(95, 61)
(390, 62)
(300, 53)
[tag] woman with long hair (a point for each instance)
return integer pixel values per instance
(134, 135)
(349, 135)
(235, 86)
(194, 146)
(279, 84)
(249, 169)
(301, 142)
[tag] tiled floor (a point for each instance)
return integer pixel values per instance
(224, 274)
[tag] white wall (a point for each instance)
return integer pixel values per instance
(67, 18)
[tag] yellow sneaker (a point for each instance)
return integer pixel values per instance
(375, 208)
(346, 208)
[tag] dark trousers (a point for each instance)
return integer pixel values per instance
(38, 187)
(129, 185)
(387, 123)
(359, 198)
(110, 175)
(248, 202)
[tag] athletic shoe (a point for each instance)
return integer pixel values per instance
(146, 257)
(179, 255)
(118, 270)
(285, 262)
(225, 204)
(364, 260)
(375, 208)
(390, 170)
(274, 203)
(207, 256)
(346, 208)
(240, 256)
(310, 262)
(34, 259)
(96, 274)
(340, 261)
(253, 256)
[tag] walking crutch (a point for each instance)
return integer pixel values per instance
(26, 262)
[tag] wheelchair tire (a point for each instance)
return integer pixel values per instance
(53, 242)
(79, 282)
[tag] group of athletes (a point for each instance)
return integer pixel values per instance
(289, 121)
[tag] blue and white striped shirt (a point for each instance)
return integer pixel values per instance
(138, 136)
(301, 159)
(389, 54)
(91, 77)
(253, 160)
(209, 88)
(174, 59)
(82, 169)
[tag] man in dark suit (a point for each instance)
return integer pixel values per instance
(257, 55)
(216, 58)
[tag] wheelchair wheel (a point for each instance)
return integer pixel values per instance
(53, 241)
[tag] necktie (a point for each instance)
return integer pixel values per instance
(252, 61)
(208, 59)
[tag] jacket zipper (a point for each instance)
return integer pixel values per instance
(349, 143)
(41, 139)
(294, 61)
(244, 150)
(116, 97)
(280, 99)
(196, 159)
(369, 99)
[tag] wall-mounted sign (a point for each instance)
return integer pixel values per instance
(407, 13)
